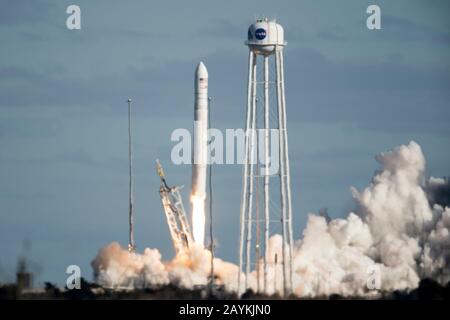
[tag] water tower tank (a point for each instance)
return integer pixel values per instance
(265, 37)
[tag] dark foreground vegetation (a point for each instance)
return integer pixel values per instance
(428, 290)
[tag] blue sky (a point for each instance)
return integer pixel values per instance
(350, 93)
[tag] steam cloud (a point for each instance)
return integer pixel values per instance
(398, 234)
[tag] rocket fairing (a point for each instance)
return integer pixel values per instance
(200, 145)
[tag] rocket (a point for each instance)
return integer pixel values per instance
(200, 131)
(200, 145)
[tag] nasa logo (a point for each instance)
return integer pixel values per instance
(260, 34)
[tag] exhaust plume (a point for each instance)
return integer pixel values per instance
(397, 235)
(198, 218)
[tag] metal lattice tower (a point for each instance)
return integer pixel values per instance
(265, 40)
(172, 202)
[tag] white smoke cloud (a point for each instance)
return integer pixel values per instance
(435, 259)
(395, 237)
(115, 267)
(394, 230)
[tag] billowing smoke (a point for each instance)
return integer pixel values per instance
(391, 241)
(397, 235)
(115, 267)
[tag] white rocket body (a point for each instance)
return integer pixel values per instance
(199, 163)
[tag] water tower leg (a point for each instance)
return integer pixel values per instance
(288, 176)
(246, 167)
(252, 140)
(266, 167)
(282, 169)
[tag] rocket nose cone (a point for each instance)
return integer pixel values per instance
(201, 70)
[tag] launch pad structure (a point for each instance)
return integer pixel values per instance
(172, 202)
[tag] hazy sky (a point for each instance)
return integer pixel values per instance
(350, 93)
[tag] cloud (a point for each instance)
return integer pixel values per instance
(76, 156)
(25, 11)
(29, 127)
(356, 93)
(330, 35)
(226, 29)
(405, 30)
(391, 96)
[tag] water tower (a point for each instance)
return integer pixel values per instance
(263, 189)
